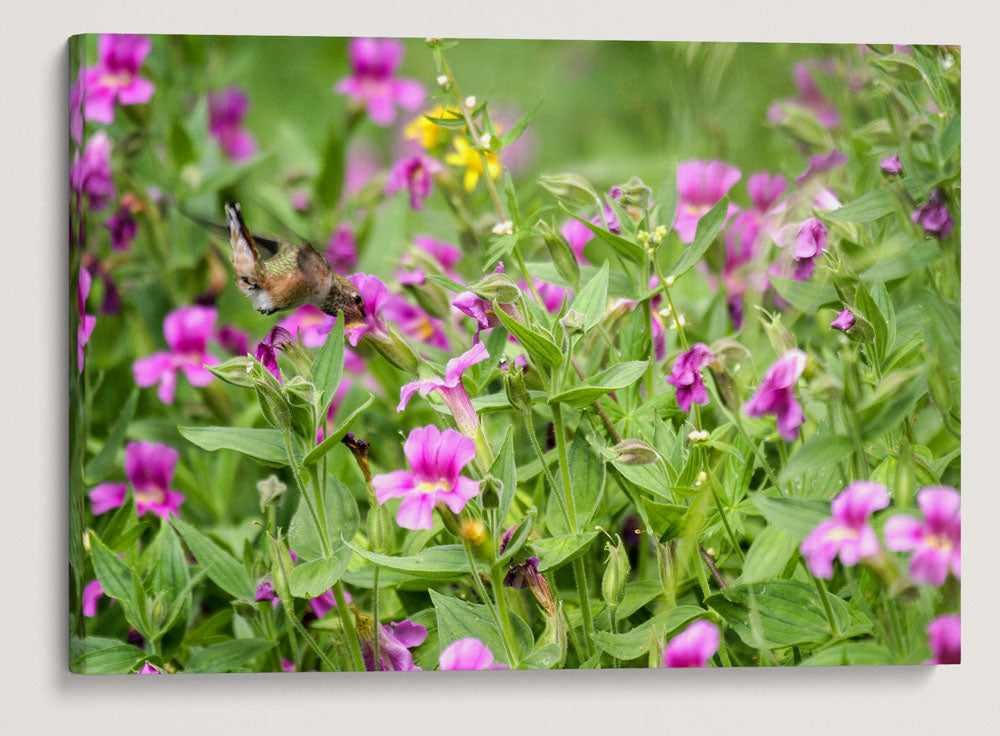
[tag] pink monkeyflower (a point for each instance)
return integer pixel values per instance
(415, 322)
(891, 165)
(310, 324)
(372, 82)
(76, 94)
(694, 646)
(472, 305)
(436, 459)
(287, 665)
(944, 637)
(807, 240)
(267, 350)
(686, 376)
(452, 391)
(123, 228)
(810, 98)
(847, 534)
(844, 320)
(578, 235)
(87, 321)
(265, 592)
(233, 340)
(413, 174)
(937, 543)
(700, 186)
(743, 234)
(149, 467)
(342, 250)
(395, 640)
(300, 200)
(91, 173)
(187, 331)
(821, 163)
(326, 602)
(226, 110)
(776, 394)
(116, 76)
(148, 669)
(441, 254)
(374, 294)
(933, 216)
(552, 295)
(92, 593)
(468, 654)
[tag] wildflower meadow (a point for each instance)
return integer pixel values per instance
(429, 354)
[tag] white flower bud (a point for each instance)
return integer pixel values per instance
(470, 101)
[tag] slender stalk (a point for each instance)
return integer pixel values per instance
(296, 473)
(725, 521)
(378, 664)
(821, 586)
(477, 583)
(309, 640)
(545, 468)
(347, 623)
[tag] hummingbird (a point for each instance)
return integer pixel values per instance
(277, 276)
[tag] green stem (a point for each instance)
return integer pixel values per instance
(583, 593)
(324, 542)
(821, 586)
(378, 664)
(347, 623)
(545, 467)
(477, 583)
(309, 640)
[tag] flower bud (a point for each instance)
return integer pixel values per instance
(616, 573)
(301, 397)
(473, 531)
(393, 347)
(379, 528)
(570, 188)
(273, 404)
(635, 194)
(517, 391)
(562, 255)
(297, 354)
(526, 575)
(938, 384)
(235, 371)
(555, 633)
(725, 385)
(781, 339)
(271, 491)
(905, 479)
(573, 322)
(634, 452)
(497, 287)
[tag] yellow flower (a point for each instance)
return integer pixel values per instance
(471, 159)
(429, 133)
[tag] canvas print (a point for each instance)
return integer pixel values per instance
(434, 354)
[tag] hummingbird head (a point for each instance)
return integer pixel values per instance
(344, 296)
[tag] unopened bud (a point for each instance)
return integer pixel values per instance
(470, 101)
(497, 287)
(698, 435)
(300, 395)
(905, 479)
(561, 253)
(235, 371)
(702, 477)
(379, 528)
(527, 575)
(271, 491)
(781, 339)
(517, 391)
(503, 228)
(572, 321)
(938, 384)
(393, 347)
(616, 574)
(570, 188)
(273, 404)
(669, 281)
(634, 452)
(443, 82)
(635, 193)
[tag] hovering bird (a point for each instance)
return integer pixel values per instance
(277, 276)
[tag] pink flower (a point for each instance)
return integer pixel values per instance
(76, 92)
(373, 65)
(933, 216)
(471, 305)
(148, 669)
(92, 593)
(342, 250)
(187, 331)
(552, 295)
(362, 164)
(415, 322)
(91, 174)
(807, 240)
(937, 542)
(436, 459)
(847, 534)
(87, 321)
(394, 643)
(821, 164)
(326, 602)
(226, 110)
(844, 321)
(694, 646)
(374, 294)
(413, 174)
(468, 654)
(686, 376)
(267, 350)
(700, 185)
(776, 394)
(310, 324)
(578, 235)
(944, 636)
(149, 467)
(445, 254)
(233, 340)
(810, 98)
(891, 165)
(123, 228)
(116, 76)
(452, 391)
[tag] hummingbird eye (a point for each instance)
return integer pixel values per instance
(357, 299)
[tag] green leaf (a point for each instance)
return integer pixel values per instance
(593, 298)
(554, 552)
(116, 577)
(181, 148)
(223, 569)
(313, 579)
(768, 555)
(342, 520)
(334, 438)
(614, 378)
(101, 465)
(266, 445)
(782, 613)
(587, 474)
(893, 399)
(443, 562)
(633, 251)
(102, 656)
(950, 138)
(518, 128)
(331, 173)
(819, 451)
(850, 653)
(634, 643)
(649, 477)
(708, 228)
(543, 659)
(667, 518)
(228, 655)
(870, 311)
(866, 208)
(539, 347)
(903, 263)
(328, 366)
(806, 296)
(170, 569)
(619, 285)
(898, 66)
(796, 516)
(457, 619)
(505, 469)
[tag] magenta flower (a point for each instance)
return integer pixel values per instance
(149, 467)
(443, 254)
(700, 185)
(937, 542)
(116, 76)
(776, 394)
(326, 602)
(267, 350)
(187, 331)
(226, 110)
(374, 294)
(123, 228)
(944, 636)
(300, 200)
(233, 340)
(413, 174)
(807, 240)
(87, 321)
(76, 92)
(91, 173)
(310, 324)
(844, 321)
(578, 235)
(891, 165)
(821, 164)
(810, 98)
(394, 643)
(436, 459)
(148, 669)
(468, 654)
(552, 295)
(415, 322)
(933, 216)
(92, 593)
(471, 305)
(847, 534)
(686, 376)
(342, 250)
(287, 665)
(372, 82)
(452, 391)
(694, 646)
